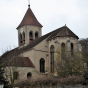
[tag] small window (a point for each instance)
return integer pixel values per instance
(23, 35)
(15, 75)
(52, 58)
(20, 39)
(31, 34)
(23, 38)
(20, 36)
(71, 48)
(63, 53)
(63, 48)
(29, 75)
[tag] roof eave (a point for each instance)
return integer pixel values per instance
(28, 24)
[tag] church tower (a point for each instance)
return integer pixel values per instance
(29, 29)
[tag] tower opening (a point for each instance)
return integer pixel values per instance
(31, 36)
(63, 53)
(21, 39)
(36, 35)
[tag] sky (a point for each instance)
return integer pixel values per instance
(52, 14)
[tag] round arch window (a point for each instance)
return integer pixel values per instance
(29, 75)
(15, 75)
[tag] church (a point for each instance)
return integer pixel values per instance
(35, 54)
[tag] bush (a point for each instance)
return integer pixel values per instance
(85, 76)
(47, 80)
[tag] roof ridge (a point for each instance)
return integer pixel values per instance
(66, 30)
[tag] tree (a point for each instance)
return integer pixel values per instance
(65, 64)
(2, 78)
(14, 65)
(84, 44)
(9, 60)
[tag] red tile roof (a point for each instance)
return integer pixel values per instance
(17, 61)
(29, 19)
(27, 62)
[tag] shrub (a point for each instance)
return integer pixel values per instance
(43, 80)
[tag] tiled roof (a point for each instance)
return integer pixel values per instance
(27, 62)
(60, 32)
(18, 61)
(63, 32)
(29, 19)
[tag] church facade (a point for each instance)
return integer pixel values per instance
(36, 53)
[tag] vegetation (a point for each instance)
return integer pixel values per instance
(70, 68)
(84, 44)
(2, 78)
(49, 80)
(10, 64)
(67, 64)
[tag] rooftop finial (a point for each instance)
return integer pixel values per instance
(65, 24)
(29, 3)
(29, 6)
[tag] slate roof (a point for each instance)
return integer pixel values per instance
(29, 19)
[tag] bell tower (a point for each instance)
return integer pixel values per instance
(29, 29)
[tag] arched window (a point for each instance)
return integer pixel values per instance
(71, 48)
(36, 35)
(20, 39)
(42, 65)
(29, 75)
(63, 48)
(15, 75)
(23, 38)
(63, 54)
(31, 36)
(52, 58)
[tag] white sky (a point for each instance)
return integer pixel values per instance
(52, 14)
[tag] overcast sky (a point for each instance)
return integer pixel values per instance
(52, 14)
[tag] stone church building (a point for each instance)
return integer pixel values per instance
(35, 53)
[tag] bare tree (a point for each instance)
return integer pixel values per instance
(10, 62)
(84, 44)
(66, 64)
